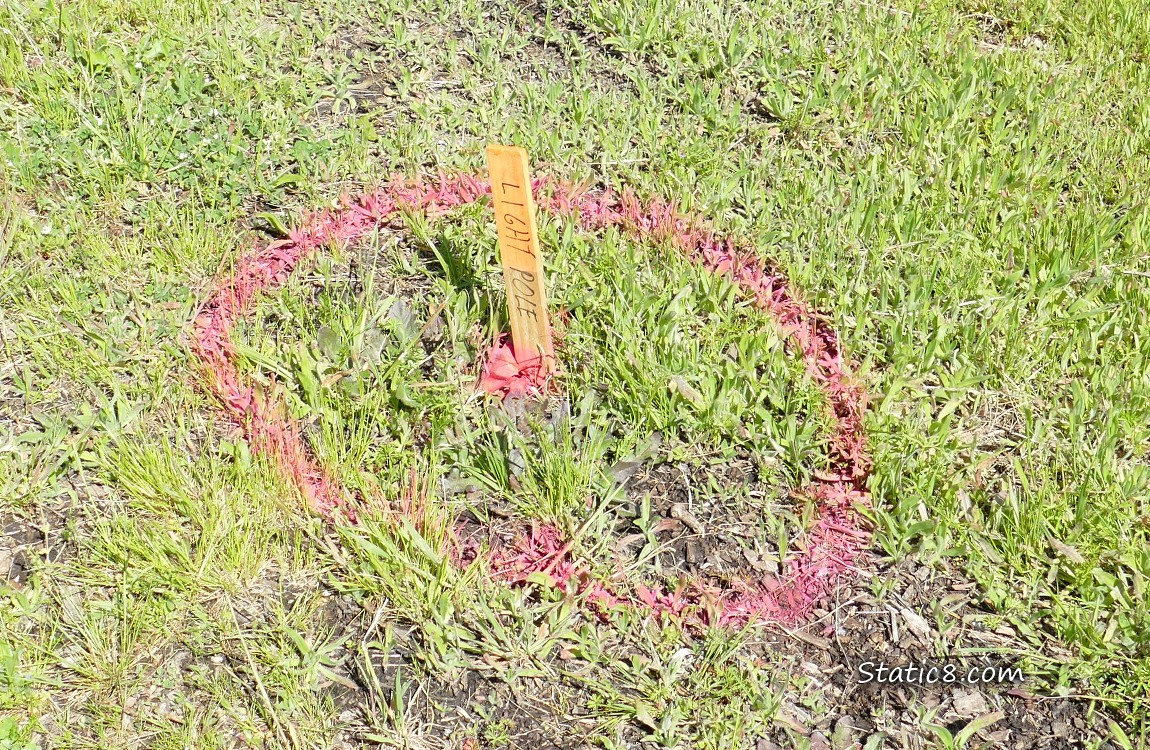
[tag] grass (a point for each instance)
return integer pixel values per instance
(962, 188)
(357, 366)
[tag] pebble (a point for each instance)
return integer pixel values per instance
(969, 704)
(6, 559)
(915, 623)
(679, 511)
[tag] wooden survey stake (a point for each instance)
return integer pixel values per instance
(519, 253)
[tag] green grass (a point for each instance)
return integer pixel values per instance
(962, 188)
(651, 345)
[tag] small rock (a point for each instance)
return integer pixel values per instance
(622, 471)
(844, 733)
(794, 718)
(754, 559)
(969, 704)
(915, 623)
(679, 511)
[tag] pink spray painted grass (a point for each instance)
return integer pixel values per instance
(835, 539)
(833, 542)
(505, 375)
(265, 428)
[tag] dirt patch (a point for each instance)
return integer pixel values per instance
(603, 55)
(892, 615)
(734, 89)
(994, 34)
(48, 532)
(709, 522)
(475, 709)
(924, 615)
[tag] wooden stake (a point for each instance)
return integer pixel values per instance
(520, 255)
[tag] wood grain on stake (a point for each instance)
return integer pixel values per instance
(520, 255)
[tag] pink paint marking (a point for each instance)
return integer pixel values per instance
(832, 544)
(264, 427)
(505, 375)
(836, 539)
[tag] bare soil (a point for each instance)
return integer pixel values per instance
(710, 521)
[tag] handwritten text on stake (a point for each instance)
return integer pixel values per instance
(520, 255)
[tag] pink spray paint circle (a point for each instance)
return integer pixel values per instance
(837, 535)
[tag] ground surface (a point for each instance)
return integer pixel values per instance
(961, 189)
